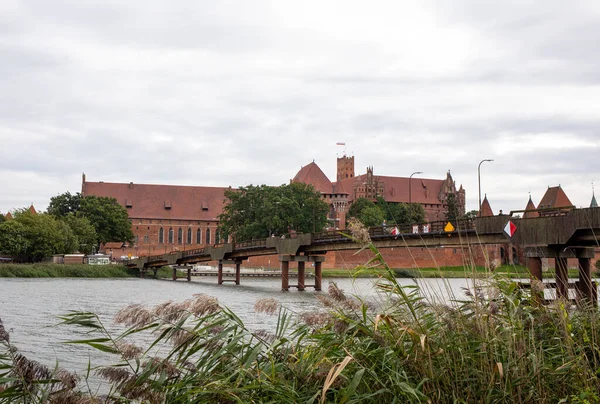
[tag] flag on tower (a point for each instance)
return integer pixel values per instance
(510, 228)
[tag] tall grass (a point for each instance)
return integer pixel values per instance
(70, 271)
(497, 346)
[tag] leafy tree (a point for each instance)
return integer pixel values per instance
(259, 211)
(84, 231)
(109, 219)
(13, 238)
(45, 235)
(2, 218)
(358, 206)
(452, 211)
(372, 216)
(470, 215)
(63, 204)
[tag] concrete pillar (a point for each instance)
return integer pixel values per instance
(301, 275)
(562, 278)
(238, 272)
(285, 275)
(318, 275)
(220, 273)
(155, 270)
(174, 274)
(586, 287)
(535, 267)
(189, 274)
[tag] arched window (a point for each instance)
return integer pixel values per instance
(207, 239)
(189, 236)
(161, 235)
(180, 236)
(171, 235)
(198, 236)
(218, 236)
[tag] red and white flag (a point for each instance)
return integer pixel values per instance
(510, 228)
(395, 231)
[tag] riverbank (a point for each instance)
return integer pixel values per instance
(508, 271)
(71, 271)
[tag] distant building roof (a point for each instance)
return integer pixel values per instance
(530, 210)
(554, 197)
(313, 175)
(8, 216)
(32, 210)
(593, 204)
(113, 244)
(486, 209)
(176, 202)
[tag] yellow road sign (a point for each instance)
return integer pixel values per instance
(448, 227)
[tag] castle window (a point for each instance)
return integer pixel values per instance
(198, 236)
(207, 241)
(180, 236)
(146, 239)
(171, 235)
(189, 235)
(161, 235)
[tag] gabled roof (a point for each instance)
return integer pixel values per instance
(530, 207)
(313, 175)
(593, 204)
(32, 210)
(422, 190)
(486, 209)
(176, 202)
(8, 216)
(554, 197)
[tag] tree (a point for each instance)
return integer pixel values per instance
(44, 236)
(13, 238)
(110, 220)
(372, 216)
(260, 211)
(452, 211)
(64, 204)
(2, 218)
(358, 206)
(84, 231)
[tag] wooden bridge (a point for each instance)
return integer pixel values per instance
(561, 234)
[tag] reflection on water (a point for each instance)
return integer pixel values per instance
(30, 308)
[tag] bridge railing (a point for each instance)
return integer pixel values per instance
(156, 258)
(195, 251)
(250, 244)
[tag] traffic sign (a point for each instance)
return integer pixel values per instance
(449, 227)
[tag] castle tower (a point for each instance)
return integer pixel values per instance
(345, 167)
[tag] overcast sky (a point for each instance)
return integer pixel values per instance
(226, 93)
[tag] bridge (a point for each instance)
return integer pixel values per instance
(560, 234)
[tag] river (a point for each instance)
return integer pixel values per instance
(30, 308)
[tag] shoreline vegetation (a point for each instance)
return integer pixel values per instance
(45, 270)
(499, 344)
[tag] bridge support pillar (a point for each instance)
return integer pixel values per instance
(562, 278)
(155, 270)
(318, 275)
(301, 275)
(189, 274)
(285, 275)
(238, 271)
(586, 288)
(174, 273)
(535, 267)
(220, 273)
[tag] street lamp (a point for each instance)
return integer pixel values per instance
(479, 183)
(410, 185)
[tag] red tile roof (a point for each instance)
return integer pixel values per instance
(175, 202)
(32, 210)
(486, 209)
(530, 207)
(313, 175)
(8, 216)
(554, 197)
(113, 244)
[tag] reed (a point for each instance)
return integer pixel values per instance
(496, 346)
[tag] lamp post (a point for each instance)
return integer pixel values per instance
(410, 185)
(479, 182)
